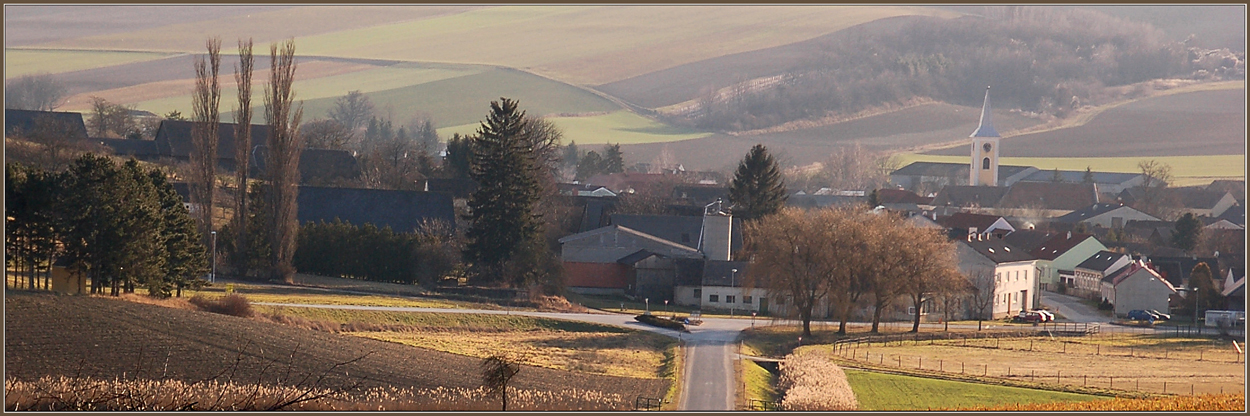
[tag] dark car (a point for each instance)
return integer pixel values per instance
(1030, 317)
(1142, 315)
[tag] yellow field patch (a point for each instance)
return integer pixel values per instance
(19, 62)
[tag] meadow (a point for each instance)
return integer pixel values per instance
(892, 392)
(19, 62)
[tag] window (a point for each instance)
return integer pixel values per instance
(698, 293)
(985, 163)
(729, 298)
(746, 299)
(713, 298)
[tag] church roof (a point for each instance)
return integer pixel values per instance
(986, 128)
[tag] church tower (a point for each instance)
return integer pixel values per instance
(984, 168)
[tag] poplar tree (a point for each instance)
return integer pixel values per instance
(204, 134)
(282, 169)
(757, 189)
(241, 256)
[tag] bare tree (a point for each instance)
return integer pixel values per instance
(205, 105)
(34, 92)
(352, 110)
(855, 167)
(108, 119)
(497, 371)
(242, 156)
(928, 270)
(982, 287)
(795, 257)
(1155, 199)
(282, 168)
(327, 134)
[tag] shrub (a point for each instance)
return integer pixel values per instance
(660, 322)
(232, 304)
(812, 382)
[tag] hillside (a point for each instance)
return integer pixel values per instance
(106, 338)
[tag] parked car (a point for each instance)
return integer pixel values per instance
(1029, 317)
(1142, 315)
(1160, 315)
(1046, 315)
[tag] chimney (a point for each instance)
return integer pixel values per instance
(1069, 235)
(715, 239)
(972, 230)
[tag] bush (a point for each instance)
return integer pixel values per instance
(232, 304)
(812, 382)
(660, 322)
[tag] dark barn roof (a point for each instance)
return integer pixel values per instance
(1049, 195)
(173, 138)
(720, 273)
(141, 149)
(1027, 239)
(997, 250)
(403, 211)
(19, 122)
(682, 230)
(314, 164)
(459, 188)
(966, 196)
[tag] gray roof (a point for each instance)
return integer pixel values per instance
(173, 138)
(314, 164)
(720, 273)
(402, 211)
(939, 169)
(986, 127)
(1088, 212)
(1078, 176)
(129, 147)
(18, 122)
(1100, 261)
(1027, 240)
(457, 187)
(822, 201)
(678, 229)
(997, 250)
(964, 195)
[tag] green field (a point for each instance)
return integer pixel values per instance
(622, 127)
(18, 62)
(877, 391)
(1186, 170)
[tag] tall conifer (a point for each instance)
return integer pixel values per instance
(757, 189)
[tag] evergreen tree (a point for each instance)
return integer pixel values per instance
(458, 160)
(1203, 295)
(1056, 177)
(571, 155)
(185, 259)
(757, 189)
(502, 208)
(874, 200)
(1187, 232)
(1089, 176)
(613, 159)
(590, 165)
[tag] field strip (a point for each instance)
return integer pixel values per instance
(617, 127)
(1185, 169)
(19, 62)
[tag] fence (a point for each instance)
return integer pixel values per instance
(646, 403)
(1077, 365)
(765, 405)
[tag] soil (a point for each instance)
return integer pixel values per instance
(105, 338)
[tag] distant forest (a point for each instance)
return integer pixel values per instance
(1043, 60)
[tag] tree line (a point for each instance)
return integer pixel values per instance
(1039, 59)
(121, 226)
(367, 252)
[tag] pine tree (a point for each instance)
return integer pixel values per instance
(590, 165)
(1188, 230)
(613, 159)
(757, 189)
(502, 208)
(1089, 175)
(185, 259)
(457, 162)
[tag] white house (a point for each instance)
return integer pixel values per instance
(1063, 252)
(1087, 276)
(1015, 272)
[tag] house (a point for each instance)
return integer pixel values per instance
(1027, 240)
(316, 166)
(173, 140)
(1235, 290)
(721, 288)
(1014, 270)
(459, 188)
(1235, 214)
(1136, 286)
(919, 176)
(576, 189)
(1087, 276)
(65, 280)
(21, 123)
(1107, 182)
(900, 196)
(1047, 199)
(1105, 215)
(1215, 223)
(1177, 268)
(628, 183)
(963, 223)
(699, 195)
(1235, 187)
(923, 221)
(1063, 252)
(138, 149)
(402, 211)
(1196, 200)
(684, 230)
(971, 198)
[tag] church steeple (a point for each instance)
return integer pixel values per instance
(986, 128)
(984, 168)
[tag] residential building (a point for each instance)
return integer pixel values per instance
(963, 223)
(1087, 276)
(1136, 286)
(1105, 215)
(1063, 252)
(1015, 272)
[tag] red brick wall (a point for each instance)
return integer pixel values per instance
(602, 275)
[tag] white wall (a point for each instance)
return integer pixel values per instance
(1015, 287)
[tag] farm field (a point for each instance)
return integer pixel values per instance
(1186, 170)
(1210, 122)
(891, 392)
(1138, 363)
(19, 62)
(94, 337)
(281, 294)
(26, 26)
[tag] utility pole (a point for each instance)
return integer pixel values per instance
(212, 278)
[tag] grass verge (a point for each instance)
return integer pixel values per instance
(879, 391)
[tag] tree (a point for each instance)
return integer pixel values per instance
(174, 115)
(457, 163)
(185, 259)
(327, 134)
(1187, 233)
(571, 156)
(981, 293)
(39, 92)
(352, 110)
(796, 258)
(241, 257)
(31, 205)
(426, 136)
(395, 162)
(57, 146)
(497, 371)
(613, 159)
(757, 189)
(854, 167)
(502, 208)
(1154, 198)
(1089, 176)
(1056, 177)
(109, 120)
(205, 104)
(1203, 294)
(590, 165)
(930, 269)
(282, 171)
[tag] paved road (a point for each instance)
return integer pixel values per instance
(1072, 308)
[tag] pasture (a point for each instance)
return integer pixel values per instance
(19, 62)
(1186, 170)
(892, 392)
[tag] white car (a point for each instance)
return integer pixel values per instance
(1046, 315)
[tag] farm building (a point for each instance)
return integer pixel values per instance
(1105, 215)
(1014, 270)
(1196, 200)
(1107, 182)
(23, 123)
(611, 259)
(173, 140)
(316, 166)
(402, 211)
(931, 176)
(1134, 287)
(1087, 276)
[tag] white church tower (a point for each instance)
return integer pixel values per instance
(984, 168)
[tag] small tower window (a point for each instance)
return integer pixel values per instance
(985, 163)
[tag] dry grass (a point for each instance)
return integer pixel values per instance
(85, 394)
(812, 382)
(232, 304)
(1201, 403)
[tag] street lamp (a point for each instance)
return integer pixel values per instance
(665, 305)
(753, 319)
(213, 277)
(732, 274)
(647, 301)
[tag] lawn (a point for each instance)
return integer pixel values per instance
(1187, 170)
(18, 62)
(760, 383)
(878, 391)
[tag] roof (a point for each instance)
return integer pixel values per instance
(1235, 214)
(20, 122)
(1238, 288)
(965, 221)
(678, 229)
(1091, 211)
(997, 250)
(986, 127)
(636, 257)
(822, 201)
(1078, 176)
(720, 273)
(701, 194)
(938, 169)
(173, 138)
(900, 196)
(457, 187)
(1049, 195)
(618, 182)
(1100, 261)
(314, 164)
(183, 189)
(130, 147)
(403, 211)
(966, 196)
(1176, 269)
(1133, 269)
(1027, 240)
(1058, 245)
(678, 248)
(1199, 198)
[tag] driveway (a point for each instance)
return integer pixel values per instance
(1072, 308)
